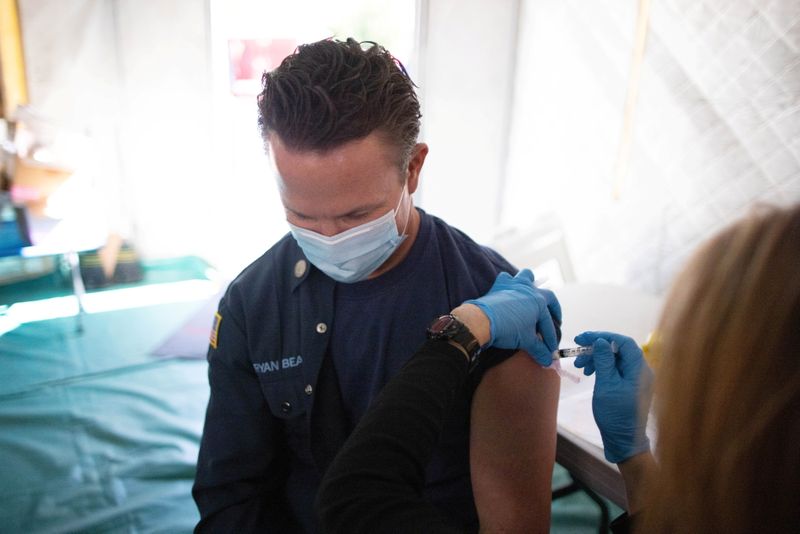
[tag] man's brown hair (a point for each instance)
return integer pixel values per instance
(330, 92)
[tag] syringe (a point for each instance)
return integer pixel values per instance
(572, 352)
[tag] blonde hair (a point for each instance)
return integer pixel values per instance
(727, 394)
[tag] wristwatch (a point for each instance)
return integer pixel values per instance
(449, 328)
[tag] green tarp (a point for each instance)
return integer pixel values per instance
(95, 434)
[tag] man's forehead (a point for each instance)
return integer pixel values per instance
(334, 210)
(375, 146)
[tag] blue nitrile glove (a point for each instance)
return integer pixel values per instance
(518, 311)
(622, 392)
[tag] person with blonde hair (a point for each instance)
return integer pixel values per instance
(726, 391)
(727, 399)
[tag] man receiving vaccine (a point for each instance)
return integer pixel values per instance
(307, 335)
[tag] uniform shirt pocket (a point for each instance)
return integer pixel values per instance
(286, 398)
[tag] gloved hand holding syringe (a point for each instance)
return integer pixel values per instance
(573, 352)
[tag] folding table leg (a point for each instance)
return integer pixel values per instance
(77, 288)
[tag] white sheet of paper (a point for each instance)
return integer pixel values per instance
(575, 415)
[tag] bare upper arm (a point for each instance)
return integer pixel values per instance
(512, 445)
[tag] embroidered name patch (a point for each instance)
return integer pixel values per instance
(278, 365)
(212, 340)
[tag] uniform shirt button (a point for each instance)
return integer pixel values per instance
(322, 328)
(286, 407)
(300, 268)
(309, 390)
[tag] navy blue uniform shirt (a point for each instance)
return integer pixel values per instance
(296, 358)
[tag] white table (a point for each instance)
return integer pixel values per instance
(595, 307)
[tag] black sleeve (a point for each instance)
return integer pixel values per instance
(624, 524)
(375, 483)
(239, 480)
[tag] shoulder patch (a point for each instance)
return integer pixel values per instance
(215, 330)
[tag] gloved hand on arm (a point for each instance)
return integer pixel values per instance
(622, 392)
(522, 316)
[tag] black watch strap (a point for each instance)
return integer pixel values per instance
(449, 328)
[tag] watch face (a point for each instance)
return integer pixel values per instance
(450, 328)
(443, 325)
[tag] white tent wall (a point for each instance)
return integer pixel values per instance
(73, 83)
(135, 76)
(525, 103)
(467, 55)
(716, 128)
(166, 139)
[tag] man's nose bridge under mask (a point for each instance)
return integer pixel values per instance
(331, 224)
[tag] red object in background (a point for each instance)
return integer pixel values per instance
(249, 58)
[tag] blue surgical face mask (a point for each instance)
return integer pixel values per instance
(352, 255)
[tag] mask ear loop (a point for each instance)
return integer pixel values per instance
(408, 209)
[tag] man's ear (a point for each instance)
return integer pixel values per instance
(418, 155)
